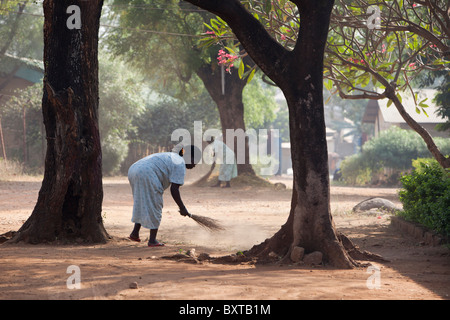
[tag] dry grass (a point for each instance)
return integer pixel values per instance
(10, 169)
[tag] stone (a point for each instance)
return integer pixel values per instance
(273, 255)
(133, 285)
(375, 203)
(313, 258)
(279, 186)
(191, 253)
(297, 254)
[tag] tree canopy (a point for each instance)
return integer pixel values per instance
(375, 49)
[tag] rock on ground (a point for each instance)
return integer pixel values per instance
(313, 258)
(375, 203)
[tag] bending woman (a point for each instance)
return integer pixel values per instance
(149, 177)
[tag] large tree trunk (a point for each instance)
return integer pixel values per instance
(230, 106)
(70, 199)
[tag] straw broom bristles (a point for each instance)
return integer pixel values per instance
(207, 223)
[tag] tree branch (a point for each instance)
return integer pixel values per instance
(267, 53)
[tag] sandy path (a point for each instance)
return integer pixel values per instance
(250, 215)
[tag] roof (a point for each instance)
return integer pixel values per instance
(31, 70)
(391, 115)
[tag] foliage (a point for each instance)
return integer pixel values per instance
(21, 34)
(426, 196)
(355, 171)
(159, 119)
(407, 40)
(158, 38)
(366, 60)
(259, 104)
(26, 102)
(442, 99)
(120, 101)
(394, 148)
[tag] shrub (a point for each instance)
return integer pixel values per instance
(355, 170)
(393, 149)
(426, 196)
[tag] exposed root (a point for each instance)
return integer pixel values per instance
(356, 253)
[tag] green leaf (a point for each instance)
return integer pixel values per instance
(208, 26)
(423, 104)
(215, 24)
(250, 77)
(241, 69)
(328, 84)
(221, 21)
(230, 50)
(399, 97)
(389, 103)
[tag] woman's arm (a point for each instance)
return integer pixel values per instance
(175, 191)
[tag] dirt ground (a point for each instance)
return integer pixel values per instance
(249, 215)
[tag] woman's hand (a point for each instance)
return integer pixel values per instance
(184, 212)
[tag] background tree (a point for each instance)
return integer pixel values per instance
(299, 74)
(69, 203)
(411, 36)
(443, 101)
(21, 35)
(161, 38)
(121, 94)
(373, 59)
(22, 115)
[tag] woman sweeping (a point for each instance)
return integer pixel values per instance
(224, 156)
(149, 177)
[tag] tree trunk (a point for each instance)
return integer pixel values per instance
(70, 199)
(313, 227)
(231, 109)
(2, 141)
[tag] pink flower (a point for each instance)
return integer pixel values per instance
(283, 37)
(383, 48)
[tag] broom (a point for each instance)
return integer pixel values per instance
(205, 222)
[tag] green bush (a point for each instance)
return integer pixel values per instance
(394, 148)
(355, 170)
(426, 196)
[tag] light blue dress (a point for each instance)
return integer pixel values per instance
(227, 160)
(149, 177)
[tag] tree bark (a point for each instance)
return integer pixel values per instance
(70, 199)
(299, 74)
